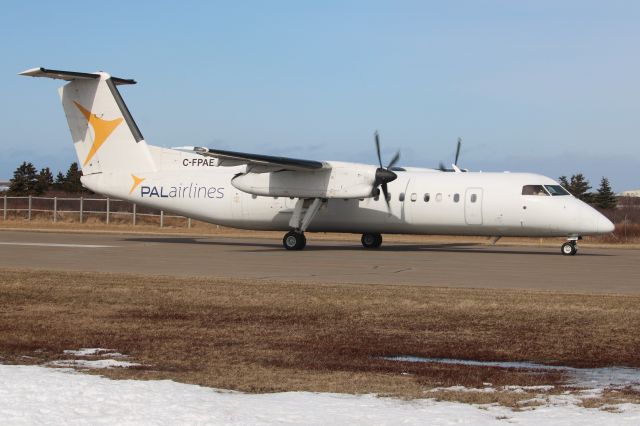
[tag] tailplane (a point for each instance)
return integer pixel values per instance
(104, 133)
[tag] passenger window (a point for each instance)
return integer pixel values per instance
(456, 198)
(427, 197)
(414, 196)
(474, 198)
(439, 196)
(534, 190)
(254, 196)
(401, 196)
(389, 197)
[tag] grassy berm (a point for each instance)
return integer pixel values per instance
(281, 336)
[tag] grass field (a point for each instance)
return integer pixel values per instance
(279, 336)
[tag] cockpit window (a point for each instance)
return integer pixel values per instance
(534, 190)
(556, 190)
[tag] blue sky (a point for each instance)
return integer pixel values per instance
(544, 86)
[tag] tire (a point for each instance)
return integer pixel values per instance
(294, 240)
(371, 240)
(568, 249)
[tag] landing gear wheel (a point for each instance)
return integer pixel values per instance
(569, 249)
(294, 240)
(371, 240)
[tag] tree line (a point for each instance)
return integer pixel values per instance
(579, 186)
(27, 180)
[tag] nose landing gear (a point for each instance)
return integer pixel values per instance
(570, 248)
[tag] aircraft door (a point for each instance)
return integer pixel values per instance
(473, 206)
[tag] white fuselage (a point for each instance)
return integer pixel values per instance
(423, 201)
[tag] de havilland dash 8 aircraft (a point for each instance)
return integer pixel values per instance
(262, 192)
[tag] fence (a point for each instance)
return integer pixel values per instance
(83, 208)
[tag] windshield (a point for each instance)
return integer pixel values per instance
(556, 190)
(534, 190)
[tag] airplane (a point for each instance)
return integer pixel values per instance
(263, 192)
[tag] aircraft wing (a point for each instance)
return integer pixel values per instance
(263, 163)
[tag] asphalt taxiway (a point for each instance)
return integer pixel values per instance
(447, 265)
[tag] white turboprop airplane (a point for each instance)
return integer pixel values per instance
(261, 192)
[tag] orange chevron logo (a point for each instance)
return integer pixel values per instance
(101, 129)
(136, 181)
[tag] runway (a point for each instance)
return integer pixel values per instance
(444, 265)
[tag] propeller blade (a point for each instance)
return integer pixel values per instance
(385, 191)
(458, 151)
(377, 138)
(394, 160)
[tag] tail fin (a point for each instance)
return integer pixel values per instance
(104, 133)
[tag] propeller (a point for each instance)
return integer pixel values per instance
(384, 175)
(455, 168)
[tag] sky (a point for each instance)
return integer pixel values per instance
(550, 87)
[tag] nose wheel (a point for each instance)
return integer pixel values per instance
(569, 248)
(294, 240)
(371, 240)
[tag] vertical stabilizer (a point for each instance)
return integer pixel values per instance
(104, 133)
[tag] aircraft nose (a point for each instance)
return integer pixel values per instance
(604, 225)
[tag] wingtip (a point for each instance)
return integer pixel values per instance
(30, 71)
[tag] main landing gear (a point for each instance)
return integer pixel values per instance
(294, 240)
(570, 248)
(304, 211)
(371, 240)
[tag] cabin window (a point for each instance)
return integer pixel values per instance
(556, 190)
(474, 198)
(439, 196)
(401, 196)
(414, 196)
(534, 190)
(456, 198)
(427, 197)
(376, 198)
(389, 197)
(254, 196)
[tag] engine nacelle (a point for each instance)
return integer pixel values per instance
(341, 180)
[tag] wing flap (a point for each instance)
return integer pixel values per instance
(264, 162)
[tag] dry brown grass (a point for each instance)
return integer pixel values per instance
(611, 398)
(279, 336)
(515, 400)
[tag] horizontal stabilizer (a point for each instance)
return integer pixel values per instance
(71, 75)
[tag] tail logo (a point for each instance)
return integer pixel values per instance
(136, 181)
(102, 129)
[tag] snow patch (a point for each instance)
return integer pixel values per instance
(579, 377)
(93, 352)
(92, 364)
(39, 395)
